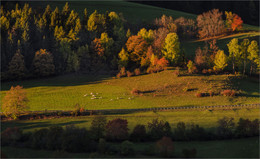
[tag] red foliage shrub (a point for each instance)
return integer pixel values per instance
(123, 72)
(118, 75)
(129, 74)
(81, 110)
(163, 62)
(137, 71)
(199, 94)
(136, 92)
(116, 130)
(229, 92)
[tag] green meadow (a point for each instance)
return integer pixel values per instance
(162, 89)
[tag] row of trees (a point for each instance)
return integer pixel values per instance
(75, 139)
(48, 42)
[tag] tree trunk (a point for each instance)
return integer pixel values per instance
(244, 68)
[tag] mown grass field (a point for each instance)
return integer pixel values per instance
(162, 89)
(205, 118)
(238, 148)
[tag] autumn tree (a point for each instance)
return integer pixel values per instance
(244, 53)
(97, 53)
(146, 35)
(253, 50)
(17, 69)
(210, 24)
(159, 39)
(186, 28)
(14, 102)
(43, 63)
(96, 22)
(234, 53)
(116, 130)
(123, 58)
(220, 61)
(171, 49)
(233, 21)
(136, 46)
(166, 22)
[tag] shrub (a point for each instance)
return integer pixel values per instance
(228, 92)
(75, 139)
(11, 136)
(98, 126)
(139, 133)
(185, 89)
(129, 74)
(123, 72)
(199, 94)
(137, 71)
(118, 75)
(136, 92)
(191, 67)
(102, 146)
(157, 129)
(54, 138)
(116, 130)
(165, 146)
(39, 138)
(176, 73)
(189, 153)
(127, 148)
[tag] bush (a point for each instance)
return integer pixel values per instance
(136, 92)
(189, 153)
(75, 139)
(165, 147)
(116, 130)
(176, 72)
(137, 71)
(11, 136)
(139, 133)
(39, 139)
(129, 74)
(199, 94)
(118, 75)
(228, 92)
(123, 72)
(102, 146)
(127, 148)
(54, 138)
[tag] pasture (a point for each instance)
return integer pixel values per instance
(163, 89)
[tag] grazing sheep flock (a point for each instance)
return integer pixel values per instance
(95, 96)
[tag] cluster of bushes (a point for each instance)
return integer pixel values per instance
(226, 92)
(123, 73)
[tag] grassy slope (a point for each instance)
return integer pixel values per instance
(162, 89)
(239, 148)
(205, 118)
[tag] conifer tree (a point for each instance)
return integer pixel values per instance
(17, 69)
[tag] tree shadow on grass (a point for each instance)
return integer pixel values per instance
(63, 80)
(34, 125)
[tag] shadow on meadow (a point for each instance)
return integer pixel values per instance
(35, 124)
(64, 80)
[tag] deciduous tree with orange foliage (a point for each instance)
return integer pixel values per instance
(14, 102)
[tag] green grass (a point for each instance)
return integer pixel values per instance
(238, 148)
(162, 89)
(205, 118)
